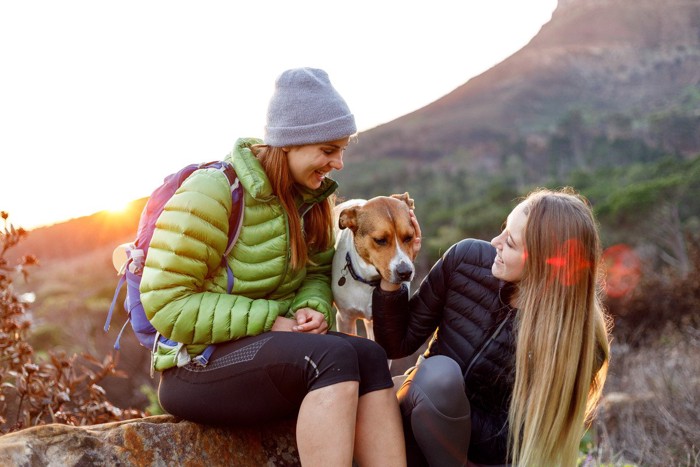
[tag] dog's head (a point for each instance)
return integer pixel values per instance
(383, 235)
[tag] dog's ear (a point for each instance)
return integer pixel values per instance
(348, 218)
(406, 199)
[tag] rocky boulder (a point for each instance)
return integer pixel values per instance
(153, 441)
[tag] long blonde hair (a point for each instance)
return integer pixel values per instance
(562, 331)
(317, 231)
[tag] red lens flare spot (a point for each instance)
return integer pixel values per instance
(623, 269)
(557, 262)
(569, 266)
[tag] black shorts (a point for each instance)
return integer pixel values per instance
(266, 377)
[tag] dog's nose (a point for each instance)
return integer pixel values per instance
(404, 271)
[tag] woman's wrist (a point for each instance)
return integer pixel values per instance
(387, 286)
(283, 324)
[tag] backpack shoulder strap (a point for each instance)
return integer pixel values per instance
(235, 220)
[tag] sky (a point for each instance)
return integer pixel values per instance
(99, 100)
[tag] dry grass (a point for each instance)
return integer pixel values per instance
(649, 413)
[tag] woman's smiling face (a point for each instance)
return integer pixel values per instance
(510, 247)
(311, 163)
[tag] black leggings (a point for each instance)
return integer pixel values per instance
(266, 377)
(436, 414)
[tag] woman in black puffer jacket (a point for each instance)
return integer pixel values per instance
(519, 339)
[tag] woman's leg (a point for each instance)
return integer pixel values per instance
(434, 404)
(283, 374)
(257, 379)
(378, 433)
(326, 425)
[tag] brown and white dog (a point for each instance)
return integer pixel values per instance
(373, 240)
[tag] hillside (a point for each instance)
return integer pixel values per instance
(604, 58)
(604, 98)
(80, 236)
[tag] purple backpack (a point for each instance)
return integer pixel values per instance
(137, 252)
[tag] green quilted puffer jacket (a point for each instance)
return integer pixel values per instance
(183, 289)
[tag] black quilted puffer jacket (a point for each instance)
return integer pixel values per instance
(464, 308)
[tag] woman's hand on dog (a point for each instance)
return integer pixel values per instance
(417, 239)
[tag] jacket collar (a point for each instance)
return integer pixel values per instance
(254, 179)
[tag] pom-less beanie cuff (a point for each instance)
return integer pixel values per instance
(306, 109)
(310, 134)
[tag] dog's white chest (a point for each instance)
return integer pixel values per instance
(352, 297)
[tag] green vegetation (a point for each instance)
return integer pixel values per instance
(643, 187)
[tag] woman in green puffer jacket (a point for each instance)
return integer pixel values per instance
(275, 356)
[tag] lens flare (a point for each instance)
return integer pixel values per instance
(623, 269)
(569, 266)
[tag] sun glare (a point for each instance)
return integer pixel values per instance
(117, 207)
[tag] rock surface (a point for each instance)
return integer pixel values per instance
(153, 441)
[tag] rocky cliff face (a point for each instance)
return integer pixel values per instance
(153, 441)
(605, 57)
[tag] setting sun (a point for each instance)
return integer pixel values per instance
(117, 206)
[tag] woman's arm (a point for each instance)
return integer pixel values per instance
(315, 290)
(186, 249)
(401, 325)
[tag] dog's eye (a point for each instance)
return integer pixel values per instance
(380, 241)
(408, 239)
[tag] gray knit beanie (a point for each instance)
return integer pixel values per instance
(305, 109)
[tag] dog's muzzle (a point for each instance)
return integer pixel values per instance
(404, 271)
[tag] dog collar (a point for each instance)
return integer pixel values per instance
(353, 273)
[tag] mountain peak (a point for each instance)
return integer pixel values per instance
(603, 57)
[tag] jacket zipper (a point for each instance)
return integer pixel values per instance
(303, 209)
(486, 344)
